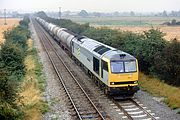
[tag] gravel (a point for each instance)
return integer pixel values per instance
(54, 92)
(160, 109)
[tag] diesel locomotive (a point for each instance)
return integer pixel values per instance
(114, 70)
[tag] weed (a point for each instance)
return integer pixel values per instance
(44, 108)
(33, 86)
(159, 88)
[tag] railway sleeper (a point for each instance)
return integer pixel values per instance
(90, 116)
(87, 112)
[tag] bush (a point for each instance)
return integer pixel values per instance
(18, 35)
(152, 44)
(25, 22)
(9, 110)
(167, 63)
(9, 90)
(103, 35)
(12, 54)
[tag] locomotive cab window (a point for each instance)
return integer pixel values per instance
(123, 66)
(72, 46)
(130, 66)
(117, 67)
(96, 65)
(104, 66)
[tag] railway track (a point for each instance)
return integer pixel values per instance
(133, 110)
(83, 106)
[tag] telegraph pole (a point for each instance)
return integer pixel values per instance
(5, 17)
(59, 12)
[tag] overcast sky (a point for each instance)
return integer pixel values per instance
(92, 5)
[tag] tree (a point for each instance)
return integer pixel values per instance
(83, 13)
(18, 35)
(10, 65)
(152, 44)
(116, 13)
(173, 22)
(12, 70)
(167, 63)
(25, 22)
(132, 13)
(12, 56)
(164, 14)
(97, 14)
(66, 13)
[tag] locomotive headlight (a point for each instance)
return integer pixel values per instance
(135, 82)
(111, 83)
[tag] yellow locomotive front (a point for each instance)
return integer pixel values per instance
(122, 75)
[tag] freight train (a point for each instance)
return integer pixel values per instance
(115, 71)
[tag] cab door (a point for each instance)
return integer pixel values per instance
(104, 71)
(96, 65)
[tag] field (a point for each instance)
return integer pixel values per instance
(134, 24)
(123, 21)
(11, 22)
(170, 31)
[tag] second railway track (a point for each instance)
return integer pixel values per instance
(133, 110)
(83, 106)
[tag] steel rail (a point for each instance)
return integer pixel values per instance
(122, 109)
(50, 43)
(59, 76)
(76, 80)
(151, 116)
(135, 103)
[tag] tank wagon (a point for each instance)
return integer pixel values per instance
(114, 70)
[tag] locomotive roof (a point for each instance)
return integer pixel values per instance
(91, 44)
(101, 50)
(118, 55)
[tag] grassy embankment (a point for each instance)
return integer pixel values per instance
(33, 86)
(158, 88)
(29, 93)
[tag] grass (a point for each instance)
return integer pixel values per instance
(33, 86)
(159, 88)
(121, 23)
